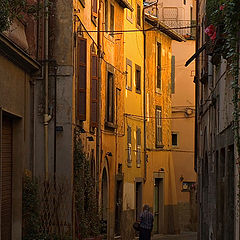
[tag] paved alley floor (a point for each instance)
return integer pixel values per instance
(182, 236)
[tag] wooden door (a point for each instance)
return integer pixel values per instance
(6, 203)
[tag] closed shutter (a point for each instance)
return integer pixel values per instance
(159, 62)
(6, 203)
(82, 77)
(173, 74)
(158, 126)
(94, 90)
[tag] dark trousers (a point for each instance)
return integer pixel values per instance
(145, 234)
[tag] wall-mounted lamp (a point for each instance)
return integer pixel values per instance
(109, 154)
(90, 139)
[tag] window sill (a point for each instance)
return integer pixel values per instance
(138, 91)
(159, 146)
(158, 91)
(110, 125)
(94, 20)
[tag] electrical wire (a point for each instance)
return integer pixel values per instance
(164, 118)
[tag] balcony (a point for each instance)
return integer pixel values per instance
(187, 28)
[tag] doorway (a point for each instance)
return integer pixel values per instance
(138, 198)
(158, 205)
(118, 207)
(104, 219)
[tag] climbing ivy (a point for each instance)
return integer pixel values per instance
(225, 13)
(87, 215)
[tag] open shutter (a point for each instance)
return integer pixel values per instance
(82, 78)
(94, 8)
(129, 146)
(173, 74)
(94, 90)
(138, 147)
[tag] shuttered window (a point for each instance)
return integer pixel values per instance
(111, 19)
(173, 74)
(138, 162)
(138, 16)
(158, 126)
(138, 78)
(129, 146)
(110, 98)
(106, 15)
(81, 78)
(6, 180)
(94, 91)
(94, 8)
(159, 80)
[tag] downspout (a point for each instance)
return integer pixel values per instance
(144, 99)
(196, 81)
(46, 117)
(98, 134)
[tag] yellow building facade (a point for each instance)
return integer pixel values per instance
(160, 187)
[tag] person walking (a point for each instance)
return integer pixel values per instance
(146, 223)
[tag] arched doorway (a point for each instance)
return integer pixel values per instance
(104, 202)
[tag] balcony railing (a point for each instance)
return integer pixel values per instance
(187, 28)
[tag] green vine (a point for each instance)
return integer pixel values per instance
(87, 216)
(225, 13)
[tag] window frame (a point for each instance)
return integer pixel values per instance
(129, 14)
(138, 69)
(129, 146)
(138, 6)
(177, 134)
(158, 67)
(112, 24)
(138, 147)
(110, 124)
(129, 63)
(80, 90)
(159, 142)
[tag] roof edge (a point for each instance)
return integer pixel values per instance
(154, 21)
(125, 4)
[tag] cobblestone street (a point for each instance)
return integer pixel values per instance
(182, 236)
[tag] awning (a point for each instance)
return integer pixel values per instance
(195, 54)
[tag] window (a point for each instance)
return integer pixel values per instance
(129, 146)
(81, 78)
(94, 89)
(159, 80)
(94, 12)
(110, 98)
(174, 139)
(184, 2)
(138, 78)
(129, 74)
(158, 126)
(129, 12)
(173, 74)
(138, 162)
(111, 20)
(138, 16)
(106, 15)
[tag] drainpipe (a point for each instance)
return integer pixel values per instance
(46, 117)
(196, 81)
(144, 90)
(98, 134)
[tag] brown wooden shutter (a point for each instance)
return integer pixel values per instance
(6, 188)
(94, 8)
(94, 90)
(82, 78)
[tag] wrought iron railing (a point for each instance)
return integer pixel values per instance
(187, 28)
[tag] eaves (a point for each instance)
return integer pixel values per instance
(125, 4)
(16, 55)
